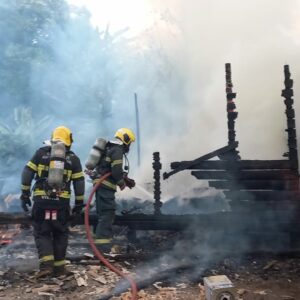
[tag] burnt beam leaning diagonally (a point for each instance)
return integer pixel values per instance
(185, 165)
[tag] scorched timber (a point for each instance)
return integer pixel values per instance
(247, 174)
(239, 164)
(221, 221)
(287, 185)
(264, 195)
(190, 164)
(271, 206)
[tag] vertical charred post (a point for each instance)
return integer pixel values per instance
(231, 113)
(288, 94)
(157, 167)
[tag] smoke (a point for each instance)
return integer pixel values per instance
(198, 37)
(186, 116)
(84, 70)
(252, 36)
(80, 71)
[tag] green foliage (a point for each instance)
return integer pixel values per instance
(51, 56)
(18, 141)
(25, 35)
(52, 62)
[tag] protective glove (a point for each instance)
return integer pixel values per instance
(77, 209)
(122, 187)
(25, 201)
(129, 182)
(75, 218)
(91, 173)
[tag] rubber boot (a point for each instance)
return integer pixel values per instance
(61, 271)
(119, 246)
(104, 248)
(46, 270)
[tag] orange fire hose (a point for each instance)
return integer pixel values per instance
(98, 253)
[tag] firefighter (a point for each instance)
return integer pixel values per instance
(53, 167)
(112, 161)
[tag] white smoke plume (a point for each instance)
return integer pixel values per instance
(186, 117)
(172, 55)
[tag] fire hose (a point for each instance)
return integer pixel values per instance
(97, 252)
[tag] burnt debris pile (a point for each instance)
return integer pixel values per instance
(263, 194)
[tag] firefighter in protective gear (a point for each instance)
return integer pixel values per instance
(111, 161)
(51, 210)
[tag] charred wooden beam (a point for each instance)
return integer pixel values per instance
(14, 218)
(157, 167)
(217, 221)
(190, 164)
(22, 218)
(260, 206)
(240, 164)
(289, 185)
(263, 195)
(231, 114)
(227, 221)
(247, 174)
(116, 257)
(288, 94)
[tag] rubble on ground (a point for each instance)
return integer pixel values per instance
(260, 277)
(252, 282)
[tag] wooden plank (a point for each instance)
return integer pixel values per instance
(263, 195)
(189, 164)
(230, 221)
(247, 174)
(238, 164)
(263, 206)
(290, 185)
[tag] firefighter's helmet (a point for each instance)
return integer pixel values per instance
(125, 135)
(62, 134)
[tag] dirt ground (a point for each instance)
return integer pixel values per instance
(259, 277)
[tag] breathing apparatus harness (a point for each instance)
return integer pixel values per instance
(97, 153)
(54, 183)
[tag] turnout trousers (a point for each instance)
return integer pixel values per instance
(50, 229)
(105, 207)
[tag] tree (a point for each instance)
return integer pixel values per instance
(25, 36)
(18, 140)
(52, 62)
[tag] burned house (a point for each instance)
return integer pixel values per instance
(263, 195)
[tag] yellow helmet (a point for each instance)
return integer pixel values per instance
(62, 134)
(125, 135)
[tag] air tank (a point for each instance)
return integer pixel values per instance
(57, 165)
(95, 153)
